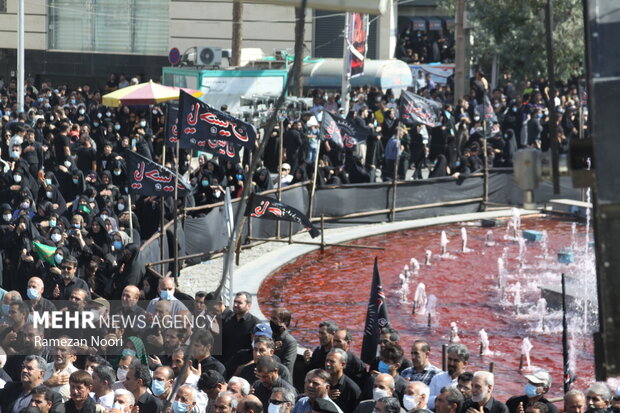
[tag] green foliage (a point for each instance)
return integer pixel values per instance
(515, 31)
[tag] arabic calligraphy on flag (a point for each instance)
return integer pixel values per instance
(270, 208)
(149, 178)
(341, 131)
(199, 122)
(416, 109)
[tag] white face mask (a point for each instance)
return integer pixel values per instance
(56, 237)
(410, 402)
(379, 394)
(273, 408)
(49, 194)
(121, 374)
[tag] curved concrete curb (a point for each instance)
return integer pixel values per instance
(251, 275)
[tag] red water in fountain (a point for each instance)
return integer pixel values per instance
(334, 285)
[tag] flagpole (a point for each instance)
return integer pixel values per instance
(485, 171)
(314, 175)
(130, 217)
(176, 218)
(565, 337)
(280, 161)
(346, 73)
(269, 128)
(162, 205)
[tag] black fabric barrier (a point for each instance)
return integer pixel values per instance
(207, 233)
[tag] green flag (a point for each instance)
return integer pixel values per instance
(45, 252)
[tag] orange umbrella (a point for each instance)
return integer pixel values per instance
(148, 93)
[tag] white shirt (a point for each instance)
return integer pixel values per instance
(438, 382)
(107, 400)
(64, 388)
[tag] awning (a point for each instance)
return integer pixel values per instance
(418, 23)
(434, 23)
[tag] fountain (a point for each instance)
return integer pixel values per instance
(415, 266)
(464, 240)
(490, 242)
(517, 297)
(501, 270)
(444, 244)
(454, 333)
(404, 286)
(526, 348)
(484, 343)
(541, 311)
(427, 257)
(431, 306)
(545, 245)
(419, 299)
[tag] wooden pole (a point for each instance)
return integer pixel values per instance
(491, 367)
(553, 126)
(314, 177)
(176, 218)
(485, 170)
(130, 217)
(237, 33)
(444, 357)
(290, 232)
(162, 203)
(394, 185)
(371, 247)
(280, 161)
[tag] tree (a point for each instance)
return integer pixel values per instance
(514, 30)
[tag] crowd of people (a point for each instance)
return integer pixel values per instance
(70, 240)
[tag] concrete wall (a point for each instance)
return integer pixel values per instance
(35, 19)
(209, 23)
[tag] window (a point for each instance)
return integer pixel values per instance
(117, 26)
(3, 6)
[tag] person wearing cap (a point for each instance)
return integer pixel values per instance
(268, 378)
(483, 384)
(316, 386)
(285, 175)
(538, 384)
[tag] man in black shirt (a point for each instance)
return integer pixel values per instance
(481, 395)
(86, 155)
(343, 391)
(138, 381)
(268, 379)
(202, 343)
(62, 144)
(70, 282)
(316, 358)
(238, 328)
(354, 369)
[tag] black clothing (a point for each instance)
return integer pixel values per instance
(236, 334)
(317, 361)
(263, 393)
(149, 403)
(89, 406)
(492, 406)
(211, 363)
(513, 404)
(248, 373)
(349, 394)
(355, 369)
(66, 290)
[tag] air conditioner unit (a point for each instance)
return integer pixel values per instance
(208, 56)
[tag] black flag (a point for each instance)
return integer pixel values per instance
(489, 117)
(376, 318)
(343, 132)
(269, 208)
(199, 122)
(150, 178)
(217, 147)
(416, 109)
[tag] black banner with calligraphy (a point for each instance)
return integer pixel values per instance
(343, 132)
(416, 109)
(149, 178)
(270, 208)
(218, 147)
(489, 117)
(357, 38)
(377, 317)
(199, 122)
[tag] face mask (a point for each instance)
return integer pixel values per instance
(121, 207)
(104, 217)
(205, 182)
(7, 217)
(108, 114)
(129, 352)
(178, 407)
(49, 194)
(48, 181)
(17, 178)
(514, 109)
(32, 293)
(166, 295)
(73, 101)
(117, 172)
(158, 387)
(77, 226)
(217, 193)
(273, 408)
(539, 115)
(25, 205)
(82, 111)
(274, 328)
(99, 115)
(96, 124)
(5, 309)
(41, 99)
(117, 245)
(56, 237)
(476, 118)
(531, 390)
(379, 393)
(67, 164)
(410, 402)
(143, 123)
(53, 223)
(75, 181)
(384, 367)
(8, 113)
(58, 257)
(121, 374)
(117, 127)
(239, 177)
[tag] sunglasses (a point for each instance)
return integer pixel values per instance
(277, 402)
